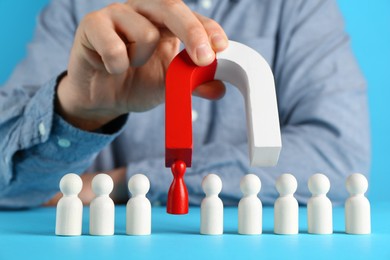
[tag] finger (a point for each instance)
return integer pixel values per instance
(168, 47)
(212, 90)
(217, 37)
(179, 19)
(138, 32)
(120, 36)
(98, 34)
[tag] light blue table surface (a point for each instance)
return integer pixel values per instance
(30, 235)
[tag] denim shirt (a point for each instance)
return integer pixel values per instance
(321, 96)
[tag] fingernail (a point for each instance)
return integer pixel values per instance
(218, 41)
(204, 53)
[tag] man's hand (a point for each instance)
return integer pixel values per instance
(119, 194)
(120, 56)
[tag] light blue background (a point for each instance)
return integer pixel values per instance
(368, 23)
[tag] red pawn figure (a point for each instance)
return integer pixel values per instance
(178, 195)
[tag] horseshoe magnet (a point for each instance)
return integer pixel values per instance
(244, 68)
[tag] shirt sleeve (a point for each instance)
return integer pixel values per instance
(323, 111)
(37, 147)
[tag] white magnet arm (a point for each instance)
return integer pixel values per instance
(250, 73)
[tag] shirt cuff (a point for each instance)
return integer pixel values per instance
(62, 141)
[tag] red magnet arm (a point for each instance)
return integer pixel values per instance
(183, 76)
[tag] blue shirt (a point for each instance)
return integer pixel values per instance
(320, 90)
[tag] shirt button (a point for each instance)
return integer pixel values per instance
(6, 160)
(64, 143)
(194, 115)
(206, 4)
(42, 129)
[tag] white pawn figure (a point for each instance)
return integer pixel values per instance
(319, 207)
(102, 208)
(357, 206)
(211, 209)
(138, 209)
(286, 206)
(250, 207)
(69, 208)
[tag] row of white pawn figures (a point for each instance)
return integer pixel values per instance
(102, 210)
(319, 206)
(138, 209)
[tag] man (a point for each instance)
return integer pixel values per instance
(116, 57)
